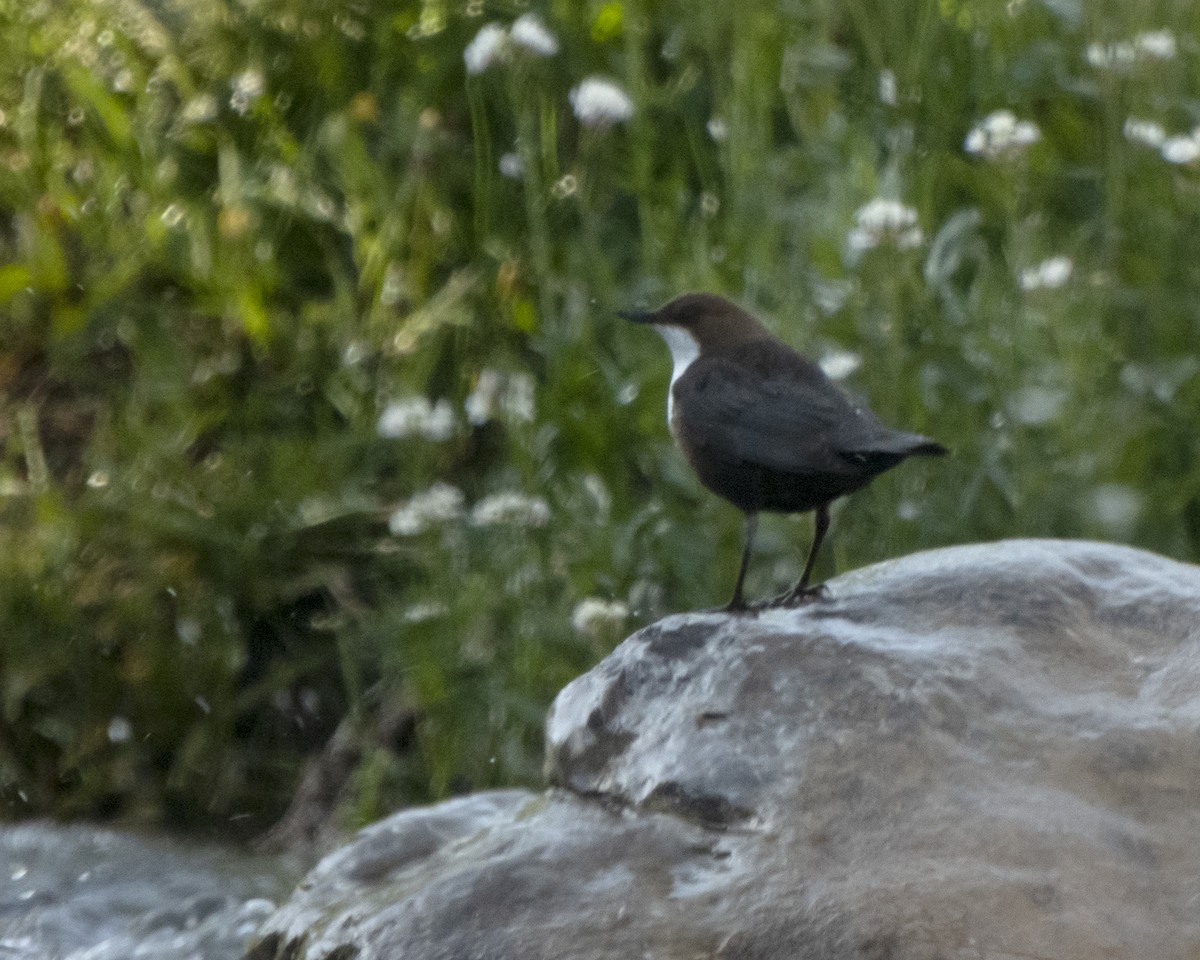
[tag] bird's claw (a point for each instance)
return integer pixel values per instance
(795, 597)
(792, 598)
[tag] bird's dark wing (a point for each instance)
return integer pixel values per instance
(774, 409)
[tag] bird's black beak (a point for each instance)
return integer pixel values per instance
(637, 316)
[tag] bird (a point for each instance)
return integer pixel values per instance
(763, 427)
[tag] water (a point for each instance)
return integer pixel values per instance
(83, 893)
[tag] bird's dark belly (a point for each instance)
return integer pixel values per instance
(754, 488)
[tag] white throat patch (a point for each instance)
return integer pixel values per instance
(684, 349)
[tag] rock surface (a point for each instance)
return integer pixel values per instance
(978, 752)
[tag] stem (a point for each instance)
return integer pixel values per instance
(483, 160)
(528, 143)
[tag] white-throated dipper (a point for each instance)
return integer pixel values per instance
(764, 427)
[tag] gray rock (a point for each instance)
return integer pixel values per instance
(978, 752)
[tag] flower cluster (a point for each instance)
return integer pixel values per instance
(248, 86)
(416, 416)
(511, 165)
(441, 503)
(531, 35)
(202, 108)
(883, 221)
(445, 503)
(1182, 148)
(489, 47)
(1178, 148)
(1117, 508)
(888, 94)
(599, 102)
(1150, 133)
(1151, 45)
(493, 44)
(425, 611)
(496, 395)
(507, 395)
(839, 364)
(1001, 136)
(595, 618)
(510, 508)
(1048, 275)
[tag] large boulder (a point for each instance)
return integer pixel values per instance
(978, 752)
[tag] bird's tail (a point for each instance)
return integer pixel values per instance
(927, 448)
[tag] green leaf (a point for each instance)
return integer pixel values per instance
(14, 277)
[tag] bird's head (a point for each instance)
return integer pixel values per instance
(704, 322)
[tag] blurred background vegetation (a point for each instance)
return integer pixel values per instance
(315, 416)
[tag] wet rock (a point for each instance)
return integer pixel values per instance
(987, 751)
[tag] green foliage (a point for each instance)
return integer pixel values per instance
(270, 273)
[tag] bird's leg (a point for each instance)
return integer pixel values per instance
(802, 591)
(739, 601)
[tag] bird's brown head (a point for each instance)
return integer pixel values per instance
(712, 321)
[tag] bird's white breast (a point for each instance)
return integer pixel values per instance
(684, 349)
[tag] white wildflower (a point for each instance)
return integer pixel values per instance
(1049, 274)
(441, 503)
(416, 416)
(481, 402)
(200, 109)
(565, 186)
(282, 184)
(1035, 405)
(1001, 135)
(189, 631)
(839, 364)
(594, 617)
(601, 499)
(1112, 56)
(1146, 132)
(511, 507)
(85, 170)
(529, 33)
(489, 47)
(248, 86)
(1117, 508)
(120, 730)
(885, 221)
(718, 129)
(1150, 45)
(424, 612)
(395, 286)
(1159, 44)
(511, 165)
(517, 399)
(355, 353)
(509, 394)
(888, 93)
(599, 102)
(1180, 149)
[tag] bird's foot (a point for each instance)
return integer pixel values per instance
(797, 597)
